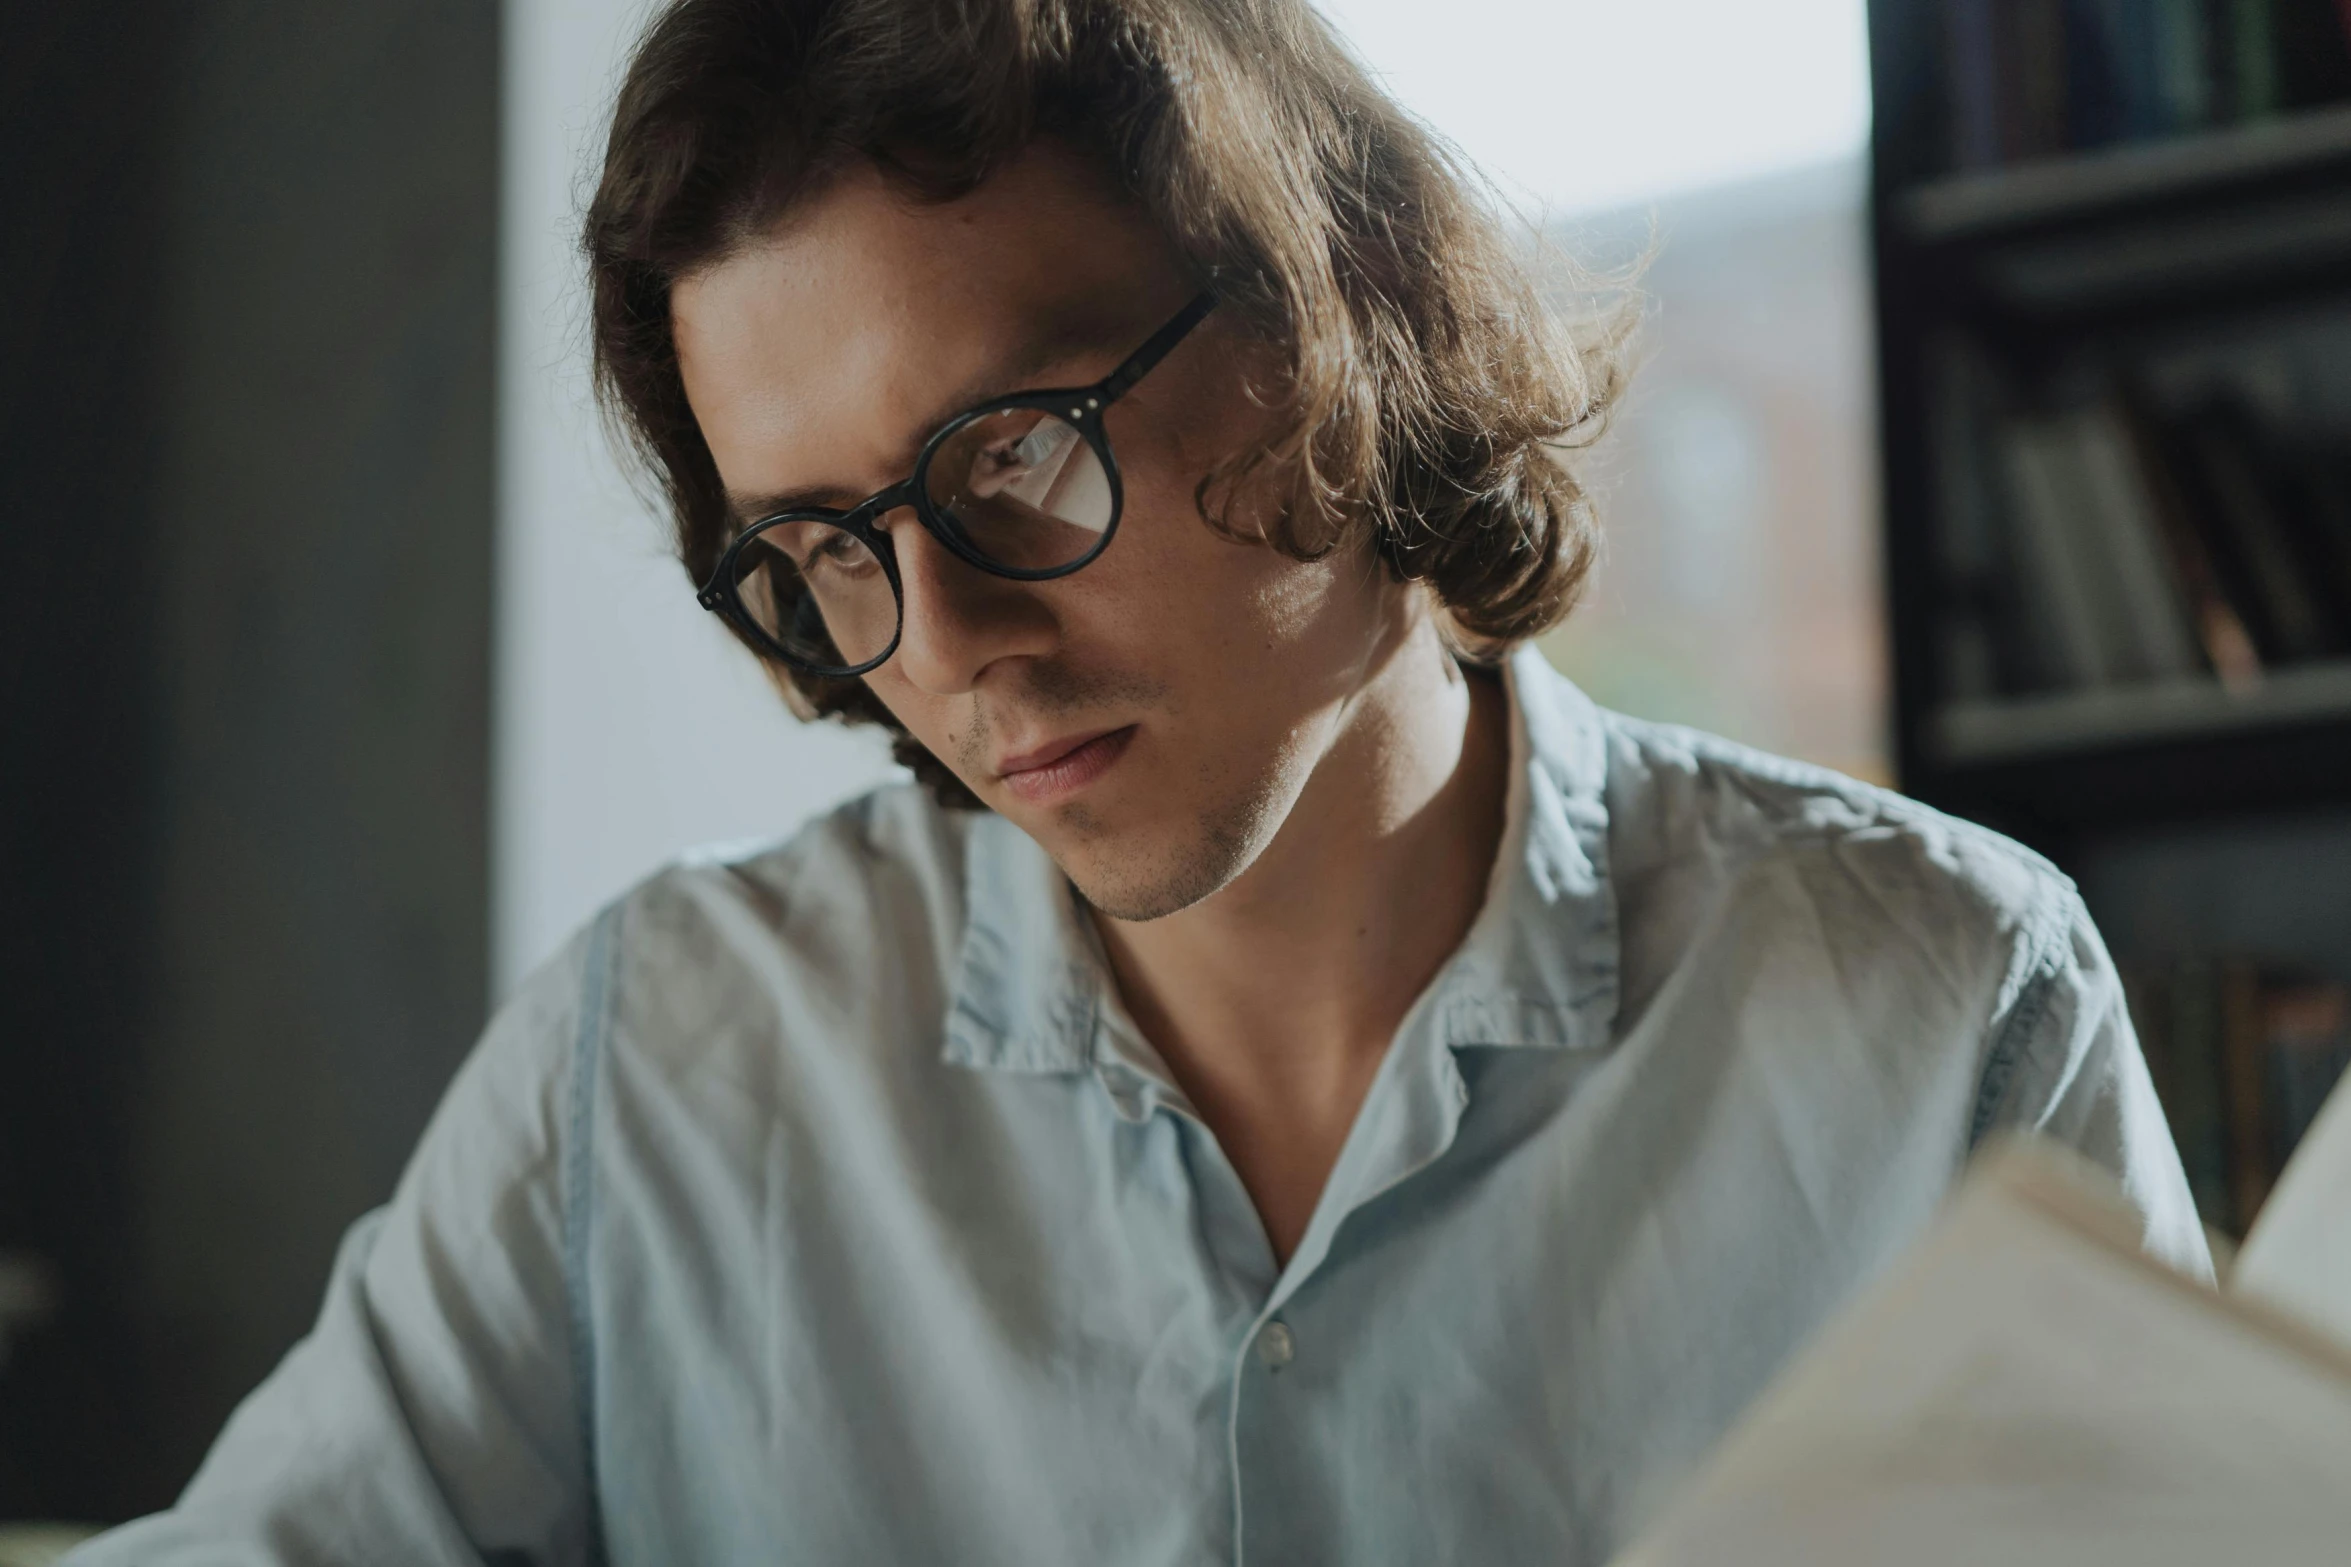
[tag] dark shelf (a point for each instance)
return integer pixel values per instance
(2135, 232)
(2049, 768)
(2189, 258)
(2059, 192)
(2054, 799)
(2110, 718)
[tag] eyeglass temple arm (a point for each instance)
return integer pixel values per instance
(1138, 365)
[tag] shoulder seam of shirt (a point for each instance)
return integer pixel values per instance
(2041, 939)
(579, 1195)
(1877, 805)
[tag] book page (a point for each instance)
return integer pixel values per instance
(2027, 1388)
(2298, 1258)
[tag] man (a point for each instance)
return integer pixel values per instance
(1294, 1082)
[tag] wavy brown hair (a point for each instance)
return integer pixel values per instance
(1426, 393)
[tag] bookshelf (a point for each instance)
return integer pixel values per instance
(2112, 245)
(1982, 204)
(2066, 722)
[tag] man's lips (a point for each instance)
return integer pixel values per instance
(1047, 754)
(1061, 767)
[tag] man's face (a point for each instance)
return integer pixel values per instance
(1151, 720)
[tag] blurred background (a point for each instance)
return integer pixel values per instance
(346, 672)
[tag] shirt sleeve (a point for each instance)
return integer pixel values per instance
(2065, 1063)
(430, 1416)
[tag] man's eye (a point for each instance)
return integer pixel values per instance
(835, 555)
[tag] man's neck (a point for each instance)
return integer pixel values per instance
(1273, 1002)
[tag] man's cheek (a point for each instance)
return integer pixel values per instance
(933, 730)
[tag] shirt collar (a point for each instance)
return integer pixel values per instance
(1539, 965)
(1033, 992)
(1031, 979)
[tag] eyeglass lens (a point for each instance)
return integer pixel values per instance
(819, 592)
(1023, 488)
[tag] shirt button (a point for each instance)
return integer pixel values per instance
(1276, 1345)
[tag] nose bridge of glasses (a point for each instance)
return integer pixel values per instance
(929, 563)
(895, 517)
(883, 504)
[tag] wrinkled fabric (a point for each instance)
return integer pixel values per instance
(823, 1204)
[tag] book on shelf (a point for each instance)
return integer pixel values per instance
(2172, 519)
(2148, 578)
(2025, 79)
(2073, 617)
(2097, 570)
(2272, 564)
(2121, 539)
(2027, 1386)
(2242, 1056)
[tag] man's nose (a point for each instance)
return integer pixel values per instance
(958, 618)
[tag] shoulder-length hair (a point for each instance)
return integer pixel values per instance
(1424, 392)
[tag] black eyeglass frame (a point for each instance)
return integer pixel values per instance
(1082, 408)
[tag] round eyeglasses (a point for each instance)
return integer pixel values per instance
(1023, 486)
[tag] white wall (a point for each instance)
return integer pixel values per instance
(1738, 588)
(628, 725)
(1574, 106)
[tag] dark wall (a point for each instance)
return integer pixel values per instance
(79, 179)
(246, 404)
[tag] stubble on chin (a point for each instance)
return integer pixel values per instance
(1149, 876)
(1129, 870)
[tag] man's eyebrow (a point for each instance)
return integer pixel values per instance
(748, 509)
(1018, 375)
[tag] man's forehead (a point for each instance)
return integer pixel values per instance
(822, 354)
(1039, 247)
(782, 311)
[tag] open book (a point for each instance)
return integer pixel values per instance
(2027, 1387)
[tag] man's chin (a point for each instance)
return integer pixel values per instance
(1135, 900)
(1138, 875)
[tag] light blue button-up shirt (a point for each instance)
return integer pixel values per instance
(824, 1205)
